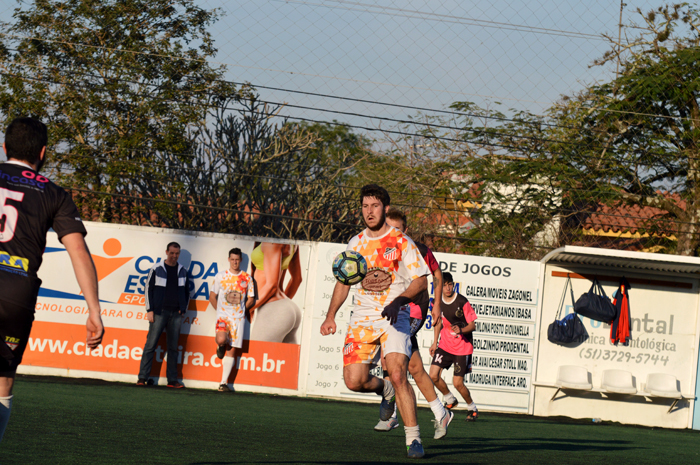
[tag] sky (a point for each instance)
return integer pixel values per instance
(361, 61)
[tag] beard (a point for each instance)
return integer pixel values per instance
(379, 225)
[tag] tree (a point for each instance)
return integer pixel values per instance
(122, 84)
(631, 141)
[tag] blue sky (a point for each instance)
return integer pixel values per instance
(424, 54)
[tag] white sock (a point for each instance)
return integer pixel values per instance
(412, 433)
(471, 406)
(5, 407)
(226, 367)
(450, 398)
(388, 391)
(438, 409)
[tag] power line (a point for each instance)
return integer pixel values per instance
(417, 14)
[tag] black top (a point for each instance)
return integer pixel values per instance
(30, 205)
(170, 300)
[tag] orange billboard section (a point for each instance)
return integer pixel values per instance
(60, 345)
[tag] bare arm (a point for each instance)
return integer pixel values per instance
(340, 293)
(86, 275)
(437, 326)
(417, 286)
(437, 289)
(294, 275)
(213, 299)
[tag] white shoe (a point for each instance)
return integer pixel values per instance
(441, 425)
(387, 425)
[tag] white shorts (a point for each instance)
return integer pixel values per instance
(362, 342)
(233, 327)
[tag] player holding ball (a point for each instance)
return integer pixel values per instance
(380, 318)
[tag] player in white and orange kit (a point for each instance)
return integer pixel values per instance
(455, 332)
(380, 318)
(232, 291)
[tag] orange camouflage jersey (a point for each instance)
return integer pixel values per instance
(393, 261)
(232, 290)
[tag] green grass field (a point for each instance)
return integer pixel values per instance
(74, 421)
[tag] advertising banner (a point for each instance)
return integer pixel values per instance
(504, 294)
(123, 257)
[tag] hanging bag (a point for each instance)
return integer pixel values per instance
(570, 328)
(595, 304)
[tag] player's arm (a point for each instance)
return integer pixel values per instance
(340, 293)
(437, 288)
(213, 299)
(469, 314)
(86, 275)
(150, 283)
(437, 326)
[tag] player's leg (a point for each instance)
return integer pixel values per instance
(154, 331)
(232, 339)
(173, 340)
(7, 379)
(222, 336)
(396, 344)
(393, 421)
(443, 417)
(15, 327)
(358, 379)
(463, 366)
(442, 360)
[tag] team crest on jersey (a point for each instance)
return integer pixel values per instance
(347, 349)
(459, 313)
(391, 253)
(243, 284)
(12, 342)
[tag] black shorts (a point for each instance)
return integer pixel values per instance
(15, 326)
(416, 325)
(462, 363)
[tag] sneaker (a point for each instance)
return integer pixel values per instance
(472, 415)
(220, 351)
(386, 408)
(176, 385)
(387, 425)
(224, 388)
(415, 450)
(441, 425)
(451, 405)
(141, 382)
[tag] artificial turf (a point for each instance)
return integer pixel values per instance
(77, 421)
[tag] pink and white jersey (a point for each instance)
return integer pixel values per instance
(232, 290)
(393, 261)
(458, 312)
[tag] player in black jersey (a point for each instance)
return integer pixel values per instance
(30, 205)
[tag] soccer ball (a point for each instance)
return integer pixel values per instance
(349, 267)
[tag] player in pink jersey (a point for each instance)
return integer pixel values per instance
(380, 318)
(231, 293)
(455, 333)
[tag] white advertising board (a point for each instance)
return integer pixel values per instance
(505, 295)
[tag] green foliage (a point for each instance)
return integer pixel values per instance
(632, 141)
(121, 84)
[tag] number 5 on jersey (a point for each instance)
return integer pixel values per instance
(8, 214)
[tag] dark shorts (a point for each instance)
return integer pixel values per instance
(462, 363)
(416, 325)
(15, 326)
